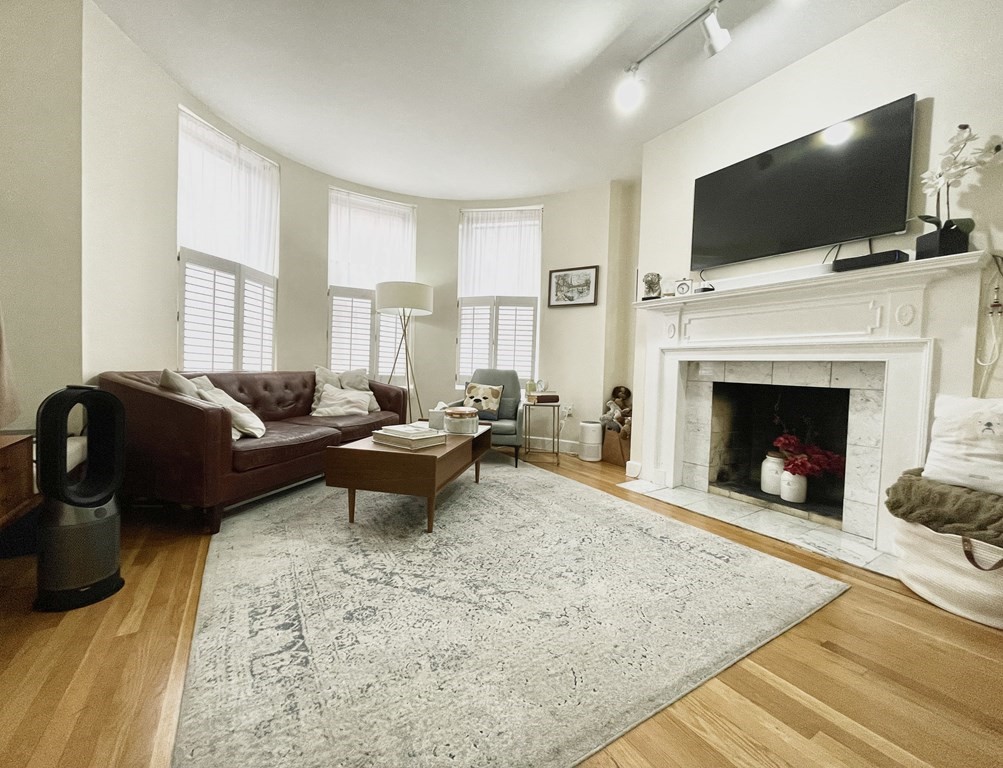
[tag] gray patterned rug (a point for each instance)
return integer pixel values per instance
(540, 621)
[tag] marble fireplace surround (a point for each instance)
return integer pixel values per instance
(865, 382)
(915, 322)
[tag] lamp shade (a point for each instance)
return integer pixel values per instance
(394, 296)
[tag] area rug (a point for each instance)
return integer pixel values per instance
(540, 620)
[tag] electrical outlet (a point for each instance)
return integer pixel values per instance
(570, 409)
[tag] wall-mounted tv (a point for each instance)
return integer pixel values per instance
(846, 182)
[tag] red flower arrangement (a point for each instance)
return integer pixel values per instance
(808, 459)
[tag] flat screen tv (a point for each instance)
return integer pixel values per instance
(846, 182)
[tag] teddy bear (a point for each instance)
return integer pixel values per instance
(618, 412)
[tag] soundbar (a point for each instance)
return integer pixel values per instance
(869, 260)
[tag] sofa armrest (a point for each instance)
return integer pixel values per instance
(177, 448)
(390, 397)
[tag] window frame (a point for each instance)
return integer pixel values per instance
(495, 304)
(241, 274)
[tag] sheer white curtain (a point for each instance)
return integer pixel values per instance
(228, 197)
(369, 240)
(500, 251)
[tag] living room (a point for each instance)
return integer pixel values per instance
(89, 251)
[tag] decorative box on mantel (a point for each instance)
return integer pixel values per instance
(914, 323)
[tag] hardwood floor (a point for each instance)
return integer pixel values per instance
(878, 677)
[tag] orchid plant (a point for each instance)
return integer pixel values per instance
(953, 168)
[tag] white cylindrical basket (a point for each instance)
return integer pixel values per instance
(590, 441)
(934, 566)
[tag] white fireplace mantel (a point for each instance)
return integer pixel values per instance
(919, 318)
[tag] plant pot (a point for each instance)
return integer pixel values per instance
(941, 242)
(769, 473)
(793, 488)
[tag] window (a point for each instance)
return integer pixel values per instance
(370, 241)
(228, 229)
(499, 290)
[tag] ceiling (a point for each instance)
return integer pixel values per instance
(468, 99)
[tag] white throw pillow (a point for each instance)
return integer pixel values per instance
(359, 381)
(173, 381)
(342, 402)
(244, 419)
(966, 443)
(324, 376)
(202, 382)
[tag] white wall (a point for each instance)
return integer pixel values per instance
(946, 53)
(129, 183)
(576, 229)
(40, 50)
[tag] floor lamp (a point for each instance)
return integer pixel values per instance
(404, 300)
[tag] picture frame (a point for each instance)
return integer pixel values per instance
(573, 287)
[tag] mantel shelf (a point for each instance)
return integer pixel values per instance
(829, 283)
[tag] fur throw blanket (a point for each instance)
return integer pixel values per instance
(947, 508)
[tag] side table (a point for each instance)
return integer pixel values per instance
(555, 429)
(17, 486)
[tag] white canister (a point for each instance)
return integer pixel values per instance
(460, 420)
(770, 471)
(793, 487)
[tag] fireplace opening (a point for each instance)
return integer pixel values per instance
(745, 421)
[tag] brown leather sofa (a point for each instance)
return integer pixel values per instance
(179, 449)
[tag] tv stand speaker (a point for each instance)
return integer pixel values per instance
(869, 260)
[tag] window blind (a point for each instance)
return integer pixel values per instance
(228, 228)
(499, 288)
(370, 240)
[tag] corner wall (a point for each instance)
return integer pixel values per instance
(40, 197)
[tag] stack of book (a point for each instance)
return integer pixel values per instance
(543, 397)
(409, 436)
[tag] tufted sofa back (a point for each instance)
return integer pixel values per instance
(272, 395)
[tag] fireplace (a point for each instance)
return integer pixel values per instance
(746, 419)
(731, 407)
(889, 342)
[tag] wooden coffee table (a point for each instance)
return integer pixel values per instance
(368, 466)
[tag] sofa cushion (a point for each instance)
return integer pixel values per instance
(350, 427)
(323, 376)
(175, 382)
(503, 427)
(342, 402)
(283, 441)
(356, 379)
(244, 420)
(359, 381)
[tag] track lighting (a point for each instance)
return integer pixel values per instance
(630, 91)
(717, 37)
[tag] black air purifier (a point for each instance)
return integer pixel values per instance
(78, 529)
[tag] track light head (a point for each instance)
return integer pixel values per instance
(630, 92)
(717, 37)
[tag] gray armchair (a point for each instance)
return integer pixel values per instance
(507, 430)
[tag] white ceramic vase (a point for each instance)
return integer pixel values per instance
(793, 487)
(769, 473)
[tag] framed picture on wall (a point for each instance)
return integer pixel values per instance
(573, 287)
